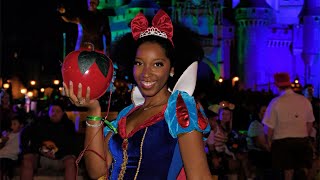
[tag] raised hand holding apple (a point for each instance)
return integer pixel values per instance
(90, 69)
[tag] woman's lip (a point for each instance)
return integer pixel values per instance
(147, 84)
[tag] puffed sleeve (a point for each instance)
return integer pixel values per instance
(184, 115)
(113, 125)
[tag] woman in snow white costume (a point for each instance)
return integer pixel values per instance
(159, 136)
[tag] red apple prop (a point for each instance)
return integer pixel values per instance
(90, 68)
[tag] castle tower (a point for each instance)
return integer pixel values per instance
(253, 18)
(310, 20)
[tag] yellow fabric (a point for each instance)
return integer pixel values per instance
(102, 178)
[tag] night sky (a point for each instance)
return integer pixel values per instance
(32, 40)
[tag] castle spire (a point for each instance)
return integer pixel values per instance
(310, 20)
(253, 18)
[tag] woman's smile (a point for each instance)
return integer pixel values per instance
(147, 84)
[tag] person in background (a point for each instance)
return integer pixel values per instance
(288, 123)
(308, 92)
(213, 161)
(212, 114)
(52, 139)
(259, 151)
(226, 145)
(9, 147)
(93, 27)
(6, 111)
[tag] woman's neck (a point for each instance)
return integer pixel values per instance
(159, 99)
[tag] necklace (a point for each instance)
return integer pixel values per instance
(152, 106)
(146, 108)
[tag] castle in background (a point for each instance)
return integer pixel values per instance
(251, 39)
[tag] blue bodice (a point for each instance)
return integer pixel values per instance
(157, 153)
(151, 151)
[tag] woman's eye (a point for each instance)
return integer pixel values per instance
(159, 64)
(137, 63)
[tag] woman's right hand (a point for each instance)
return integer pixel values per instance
(78, 100)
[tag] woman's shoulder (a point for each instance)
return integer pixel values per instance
(184, 114)
(255, 124)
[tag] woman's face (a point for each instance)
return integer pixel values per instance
(151, 69)
(15, 125)
(55, 113)
(225, 115)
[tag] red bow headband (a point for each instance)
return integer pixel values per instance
(161, 26)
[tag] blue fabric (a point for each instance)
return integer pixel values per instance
(161, 157)
(171, 117)
(176, 164)
(157, 153)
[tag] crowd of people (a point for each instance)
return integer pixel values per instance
(169, 128)
(47, 140)
(281, 138)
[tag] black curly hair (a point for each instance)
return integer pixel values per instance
(186, 50)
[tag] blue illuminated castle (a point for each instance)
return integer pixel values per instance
(251, 39)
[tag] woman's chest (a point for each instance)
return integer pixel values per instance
(154, 141)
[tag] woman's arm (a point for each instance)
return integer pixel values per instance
(193, 156)
(95, 144)
(261, 142)
(96, 165)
